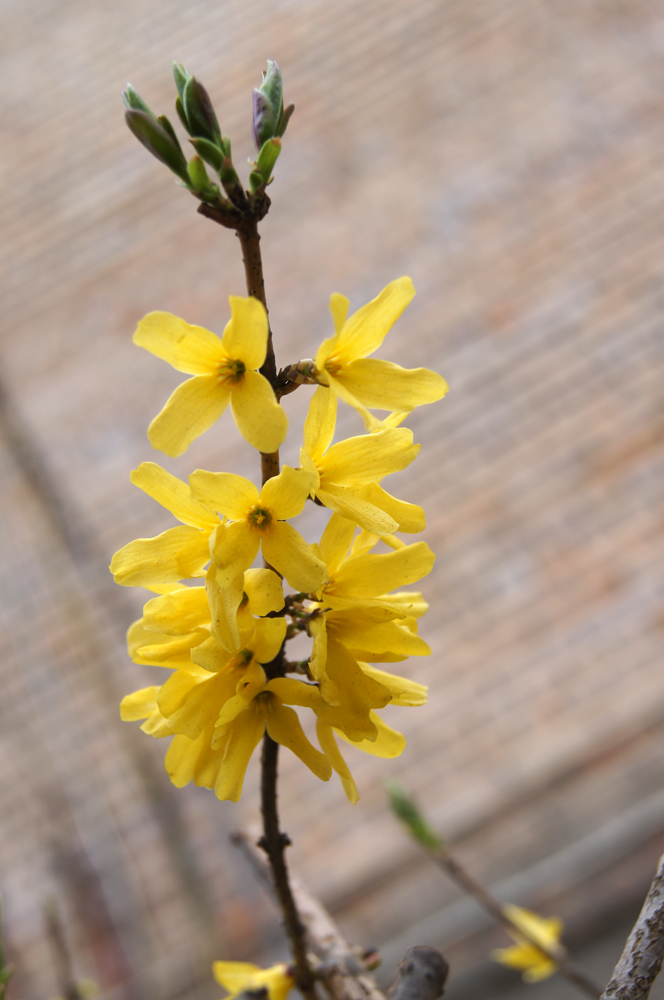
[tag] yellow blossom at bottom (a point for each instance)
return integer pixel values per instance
(525, 956)
(238, 976)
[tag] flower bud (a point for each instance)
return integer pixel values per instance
(158, 140)
(270, 119)
(209, 152)
(199, 113)
(134, 102)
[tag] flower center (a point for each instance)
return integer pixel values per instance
(333, 366)
(259, 516)
(230, 372)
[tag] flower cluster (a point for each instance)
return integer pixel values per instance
(224, 639)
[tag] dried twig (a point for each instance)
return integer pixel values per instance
(642, 957)
(422, 975)
(67, 984)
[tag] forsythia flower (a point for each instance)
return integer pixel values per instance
(225, 370)
(348, 473)
(238, 976)
(341, 361)
(524, 955)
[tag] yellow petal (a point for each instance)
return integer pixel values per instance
(245, 336)
(383, 385)
(544, 930)
(234, 547)
(336, 541)
(388, 743)
(159, 650)
(224, 603)
(243, 737)
(195, 760)
(404, 691)
(373, 574)
(178, 612)
(174, 495)
(293, 692)
(340, 389)
(356, 630)
(408, 516)
(190, 707)
(234, 976)
(211, 656)
(283, 726)
(320, 423)
(138, 704)
(270, 634)
(331, 750)
(260, 419)
(365, 331)
(411, 601)
(177, 554)
(318, 660)
(339, 308)
(265, 591)
(286, 550)
(348, 502)
(224, 491)
(194, 407)
(189, 349)
(286, 494)
(368, 457)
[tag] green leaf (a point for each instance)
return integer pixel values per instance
(181, 76)
(210, 153)
(417, 825)
(202, 121)
(198, 174)
(158, 141)
(134, 102)
(267, 158)
(285, 118)
(166, 125)
(272, 87)
(256, 181)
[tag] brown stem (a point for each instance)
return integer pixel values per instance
(274, 843)
(642, 957)
(250, 242)
(557, 953)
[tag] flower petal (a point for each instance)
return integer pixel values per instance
(259, 417)
(339, 308)
(284, 727)
(211, 656)
(365, 331)
(348, 502)
(174, 495)
(193, 408)
(245, 336)
(286, 550)
(383, 385)
(243, 737)
(234, 547)
(224, 603)
(191, 706)
(388, 743)
(329, 747)
(368, 457)
(139, 704)
(336, 541)
(286, 494)
(318, 659)
(294, 692)
(226, 492)
(270, 634)
(374, 574)
(178, 612)
(177, 554)
(189, 349)
(265, 591)
(320, 423)
(404, 691)
(408, 516)
(356, 630)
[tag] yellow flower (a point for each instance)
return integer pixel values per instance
(178, 553)
(225, 370)
(524, 955)
(258, 521)
(238, 976)
(348, 473)
(341, 361)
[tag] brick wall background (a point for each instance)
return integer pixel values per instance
(509, 158)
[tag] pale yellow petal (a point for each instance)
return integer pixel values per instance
(177, 554)
(224, 603)
(193, 408)
(336, 541)
(411, 601)
(356, 630)
(226, 492)
(189, 708)
(339, 308)
(234, 976)
(270, 634)
(408, 516)
(294, 692)
(284, 727)
(243, 738)
(368, 457)
(318, 660)
(404, 691)
(383, 385)
(388, 743)
(157, 649)
(374, 574)
(331, 750)
(245, 336)
(178, 612)
(365, 331)
(286, 550)
(339, 388)
(189, 349)
(234, 547)
(286, 494)
(139, 704)
(264, 590)
(262, 422)
(174, 495)
(320, 423)
(348, 502)
(211, 655)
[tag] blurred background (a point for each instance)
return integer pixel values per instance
(508, 157)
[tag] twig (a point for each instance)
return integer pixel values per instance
(422, 975)
(642, 957)
(61, 958)
(340, 969)
(557, 952)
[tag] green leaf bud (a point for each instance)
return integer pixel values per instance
(256, 180)
(418, 826)
(268, 157)
(228, 173)
(263, 123)
(199, 113)
(198, 174)
(158, 141)
(181, 76)
(165, 124)
(285, 118)
(273, 89)
(210, 153)
(134, 102)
